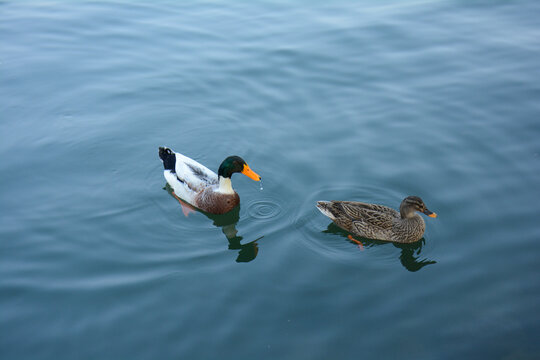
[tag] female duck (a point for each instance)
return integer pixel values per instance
(200, 186)
(379, 221)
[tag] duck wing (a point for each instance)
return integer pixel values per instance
(195, 175)
(373, 224)
(356, 209)
(367, 220)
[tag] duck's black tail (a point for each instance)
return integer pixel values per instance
(167, 156)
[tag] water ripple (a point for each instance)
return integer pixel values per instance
(264, 209)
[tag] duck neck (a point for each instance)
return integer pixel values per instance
(225, 185)
(413, 220)
(406, 212)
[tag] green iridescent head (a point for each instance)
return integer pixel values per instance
(234, 164)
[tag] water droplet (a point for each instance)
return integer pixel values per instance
(260, 183)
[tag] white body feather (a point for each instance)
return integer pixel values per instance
(191, 178)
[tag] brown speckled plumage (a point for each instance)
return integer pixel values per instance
(378, 221)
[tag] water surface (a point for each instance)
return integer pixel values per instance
(368, 101)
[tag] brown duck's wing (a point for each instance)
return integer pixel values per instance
(367, 220)
(360, 210)
(373, 224)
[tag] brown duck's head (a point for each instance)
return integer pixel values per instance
(411, 204)
(234, 164)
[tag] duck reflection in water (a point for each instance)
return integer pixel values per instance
(409, 256)
(227, 222)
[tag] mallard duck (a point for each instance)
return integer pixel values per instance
(378, 221)
(200, 186)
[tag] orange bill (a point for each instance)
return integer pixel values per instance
(430, 213)
(250, 173)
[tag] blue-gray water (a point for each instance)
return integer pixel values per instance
(368, 101)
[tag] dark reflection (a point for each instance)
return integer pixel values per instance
(409, 256)
(227, 222)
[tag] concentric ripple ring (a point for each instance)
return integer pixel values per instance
(264, 209)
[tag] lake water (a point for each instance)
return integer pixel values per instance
(368, 101)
